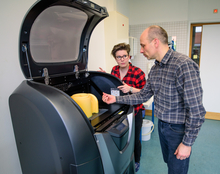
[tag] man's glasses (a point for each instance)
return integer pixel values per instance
(120, 57)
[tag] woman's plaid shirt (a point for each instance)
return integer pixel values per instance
(135, 77)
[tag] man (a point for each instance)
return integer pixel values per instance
(133, 79)
(175, 83)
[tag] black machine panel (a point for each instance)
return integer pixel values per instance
(55, 35)
(53, 134)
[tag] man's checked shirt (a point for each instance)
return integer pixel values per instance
(176, 86)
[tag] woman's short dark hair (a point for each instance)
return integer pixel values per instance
(120, 46)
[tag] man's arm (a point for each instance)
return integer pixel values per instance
(107, 98)
(189, 86)
(138, 98)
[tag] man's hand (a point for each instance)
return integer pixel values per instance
(124, 88)
(182, 152)
(107, 98)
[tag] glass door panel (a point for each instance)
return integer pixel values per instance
(196, 43)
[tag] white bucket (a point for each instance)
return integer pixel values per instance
(147, 128)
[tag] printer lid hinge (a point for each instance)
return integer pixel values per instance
(76, 70)
(46, 75)
(24, 49)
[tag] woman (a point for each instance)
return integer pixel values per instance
(133, 79)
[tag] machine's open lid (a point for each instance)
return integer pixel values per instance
(55, 36)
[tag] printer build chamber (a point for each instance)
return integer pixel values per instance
(53, 134)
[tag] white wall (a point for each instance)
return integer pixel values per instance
(11, 16)
(202, 10)
(153, 11)
(96, 53)
(122, 6)
(110, 32)
(116, 31)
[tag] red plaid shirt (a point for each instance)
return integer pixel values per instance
(135, 77)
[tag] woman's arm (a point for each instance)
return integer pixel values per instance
(125, 88)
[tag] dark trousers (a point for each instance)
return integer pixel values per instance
(171, 136)
(137, 145)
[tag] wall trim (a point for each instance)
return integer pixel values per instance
(209, 115)
(148, 112)
(212, 115)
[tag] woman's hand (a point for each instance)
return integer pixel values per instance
(101, 70)
(124, 88)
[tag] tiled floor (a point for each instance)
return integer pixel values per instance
(205, 158)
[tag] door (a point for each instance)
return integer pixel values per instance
(209, 68)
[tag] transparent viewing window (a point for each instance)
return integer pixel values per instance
(56, 33)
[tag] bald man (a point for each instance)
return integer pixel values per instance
(175, 82)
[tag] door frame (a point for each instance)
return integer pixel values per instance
(193, 24)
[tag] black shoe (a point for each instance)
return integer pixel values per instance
(137, 166)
